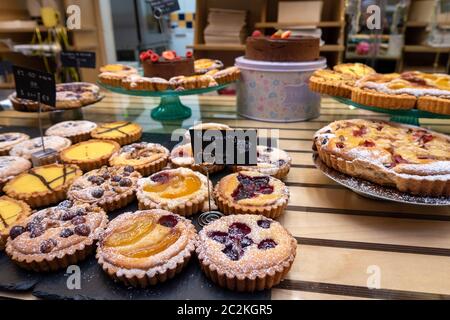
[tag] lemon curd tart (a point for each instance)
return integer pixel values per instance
(43, 186)
(181, 191)
(122, 132)
(146, 247)
(11, 212)
(91, 154)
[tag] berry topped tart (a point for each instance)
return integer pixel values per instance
(11, 212)
(54, 238)
(76, 94)
(180, 191)
(75, 131)
(182, 157)
(411, 159)
(9, 140)
(122, 132)
(146, 247)
(246, 252)
(43, 186)
(110, 188)
(146, 158)
(251, 192)
(168, 65)
(11, 167)
(271, 161)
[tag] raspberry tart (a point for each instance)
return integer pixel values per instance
(43, 186)
(251, 192)
(146, 158)
(11, 167)
(411, 159)
(90, 155)
(182, 157)
(54, 238)
(246, 252)
(9, 139)
(271, 161)
(180, 191)
(27, 148)
(146, 247)
(109, 187)
(11, 212)
(122, 132)
(75, 131)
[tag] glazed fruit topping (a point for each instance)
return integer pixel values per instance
(125, 182)
(238, 230)
(368, 144)
(340, 145)
(189, 54)
(265, 224)
(78, 220)
(256, 33)
(286, 35)
(66, 233)
(96, 180)
(68, 215)
(97, 193)
(360, 132)
(128, 169)
(277, 35)
(65, 204)
(250, 187)
(82, 230)
(16, 231)
(162, 177)
(218, 236)
(267, 244)
(47, 245)
(169, 55)
(168, 221)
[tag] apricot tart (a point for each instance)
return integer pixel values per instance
(108, 187)
(226, 75)
(271, 161)
(251, 192)
(146, 158)
(11, 212)
(75, 131)
(146, 247)
(118, 68)
(9, 140)
(204, 65)
(356, 70)
(43, 186)
(54, 238)
(180, 191)
(122, 132)
(332, 83)
(91, 154)
(182, 157)
(11, 167)
(26, 148)
(411, 159)
(246, 252)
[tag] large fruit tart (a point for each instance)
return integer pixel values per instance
(411, 159)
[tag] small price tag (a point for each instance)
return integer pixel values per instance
(224, 147)
(78, 59)
(35, 85)
(165, 6)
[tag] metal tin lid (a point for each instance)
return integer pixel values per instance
(256, 65)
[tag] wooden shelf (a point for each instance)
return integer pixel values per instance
(280, 25)
(424, 49)
(41, 29)
(241, 47)
(7, 85)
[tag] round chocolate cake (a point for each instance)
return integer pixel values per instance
(169, 69)
(292, 49)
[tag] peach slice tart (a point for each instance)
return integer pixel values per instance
(122, 132)
(11, 212)
(146, 247)
(43, 186)
(181, 191)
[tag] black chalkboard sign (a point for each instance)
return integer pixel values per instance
(230, 147)
(35, 85)
(164, 6)
(78, 59)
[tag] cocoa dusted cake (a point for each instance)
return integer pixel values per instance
(168, 65)
(282, 47)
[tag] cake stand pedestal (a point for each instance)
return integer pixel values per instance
(170, 106)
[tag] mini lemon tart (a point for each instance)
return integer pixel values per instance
(91, 154)
(246, 252)
(181, 157)
(43, 186)
(9, 140)
(11, 212)
(108, 187)
(146, 247)
(180, 191)
(146, 158)
(54, 238)
(122, 132)
(251, 192)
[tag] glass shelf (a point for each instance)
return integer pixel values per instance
(170, 106)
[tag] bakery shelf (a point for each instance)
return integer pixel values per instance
(241, 47)
(281, 25)
(41, 29)
(424, 49)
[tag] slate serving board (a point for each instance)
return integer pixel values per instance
(95, 284)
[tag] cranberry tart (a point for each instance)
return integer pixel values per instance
(54, 238)
(411, 159)
(146, 247)
(246, 252)
(251, 192)
(181, 191)
(110, 188)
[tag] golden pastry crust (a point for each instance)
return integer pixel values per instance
(89, 160)
(357, 70)
(137, 82)
(246, 252)
(54, 238)
(332, 83)
(373, 98)
(411, 159)
(75, 131)
(11, 167)
(119, 68)
(250, 192)
(181, 157)
(192, 82)
(202, 66)
(9, 139)
(53, 188)
(438, 105)
(112, 79)
(12, 212)
(122, 132)
(228, 75)
(150, 258)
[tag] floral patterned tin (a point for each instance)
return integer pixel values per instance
(277, 92)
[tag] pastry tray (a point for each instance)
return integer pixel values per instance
(374, 191)
(95, 284)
